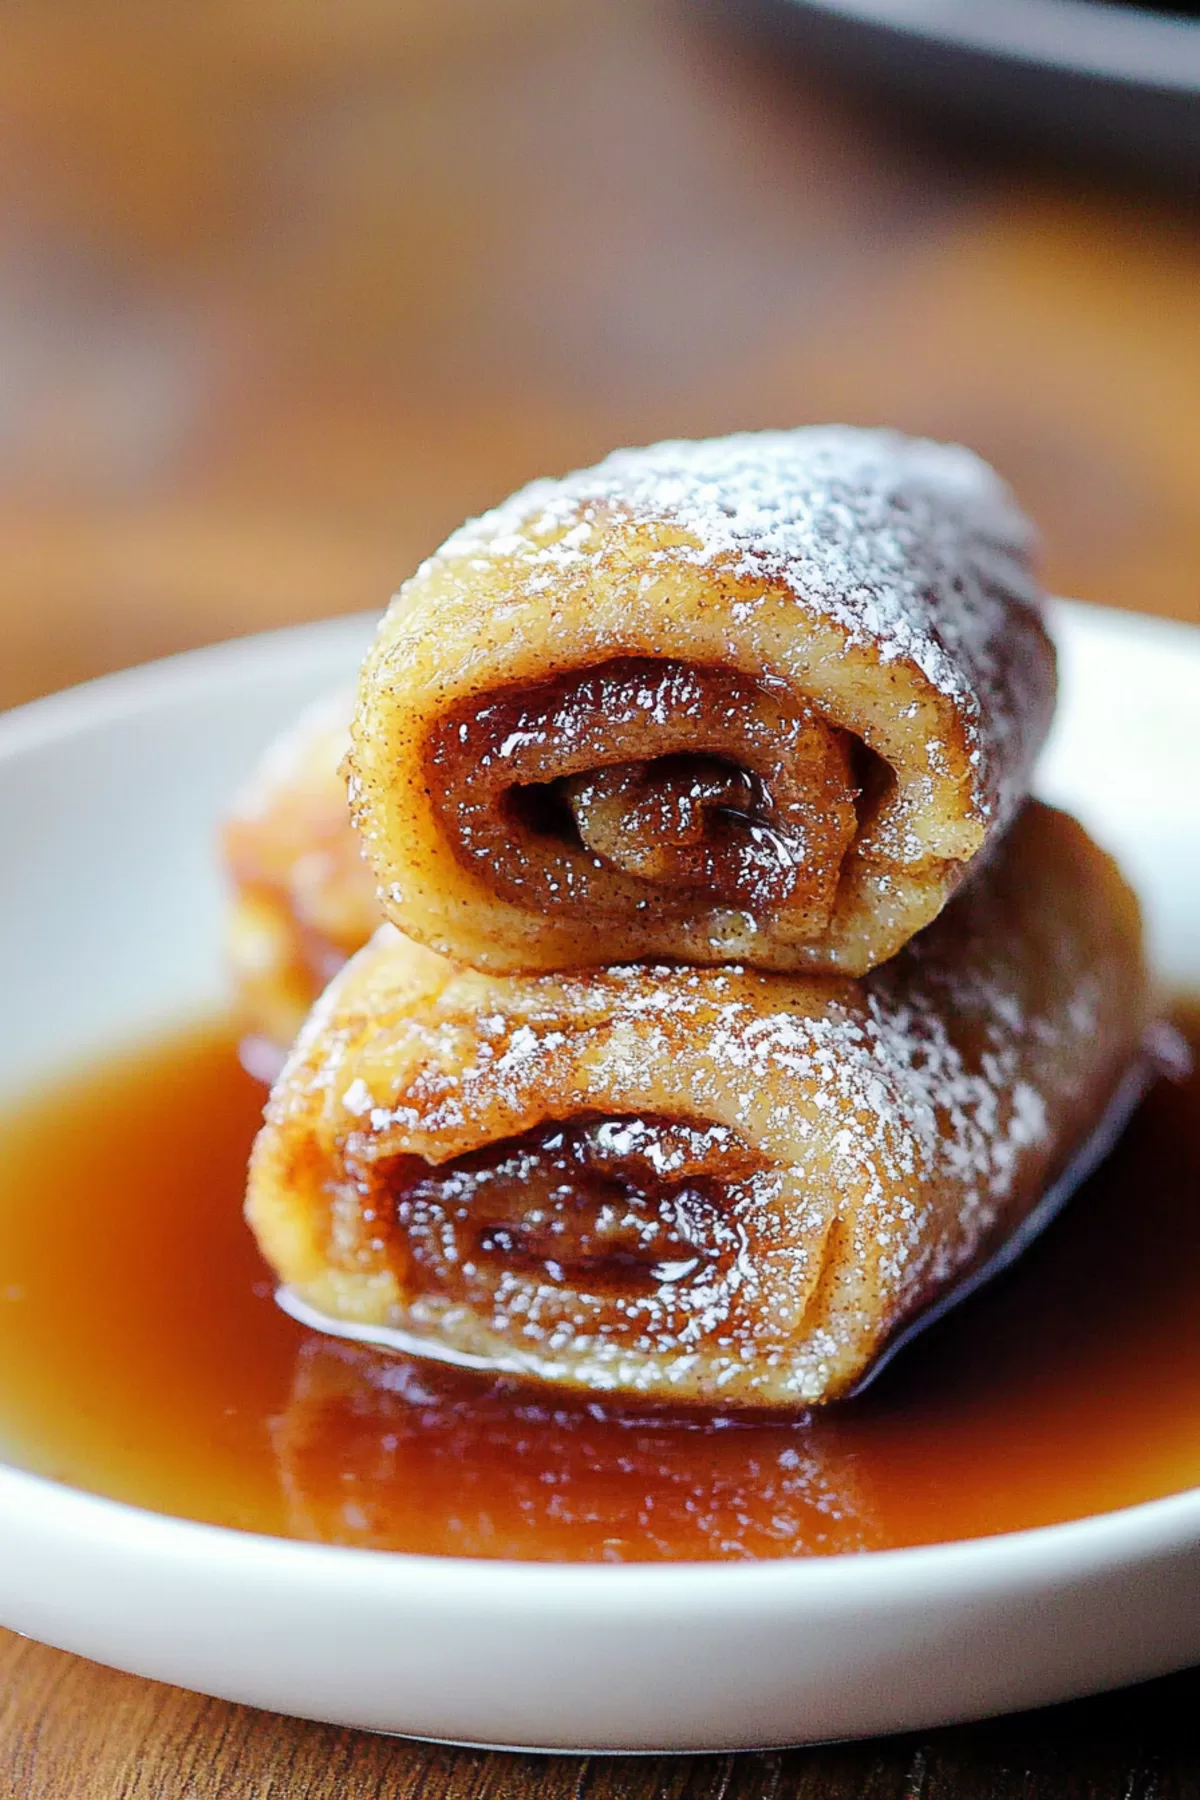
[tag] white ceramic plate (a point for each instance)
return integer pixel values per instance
(109, 920)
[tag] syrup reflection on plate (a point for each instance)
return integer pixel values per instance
(381, 1452)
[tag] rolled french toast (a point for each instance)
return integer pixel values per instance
(760, 699)
(303, 899)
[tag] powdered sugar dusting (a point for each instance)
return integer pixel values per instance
(913, 550)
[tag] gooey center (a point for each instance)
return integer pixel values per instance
(643, 783)
(622, 1226)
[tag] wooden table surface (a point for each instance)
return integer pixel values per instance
(288, 289)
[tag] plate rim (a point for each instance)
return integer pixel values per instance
(1147, 48)
(1143, 1532)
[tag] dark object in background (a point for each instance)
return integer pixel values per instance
(1083, 79)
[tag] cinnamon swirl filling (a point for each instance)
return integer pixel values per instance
(634, 1231)
(653, 786)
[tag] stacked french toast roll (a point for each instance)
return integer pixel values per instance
(733, 1001)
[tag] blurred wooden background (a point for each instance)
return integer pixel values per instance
(286, 289)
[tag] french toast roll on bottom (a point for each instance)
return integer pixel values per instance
(705, 1184)
(759, 699)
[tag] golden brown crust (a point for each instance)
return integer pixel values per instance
(864, 1142)
(304, 899)
(687, 602)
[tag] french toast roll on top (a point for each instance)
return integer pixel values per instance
(760, 699)
(712, 1184)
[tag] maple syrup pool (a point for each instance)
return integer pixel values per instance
(142, 1357)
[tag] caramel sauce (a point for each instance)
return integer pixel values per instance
(142, 1356)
